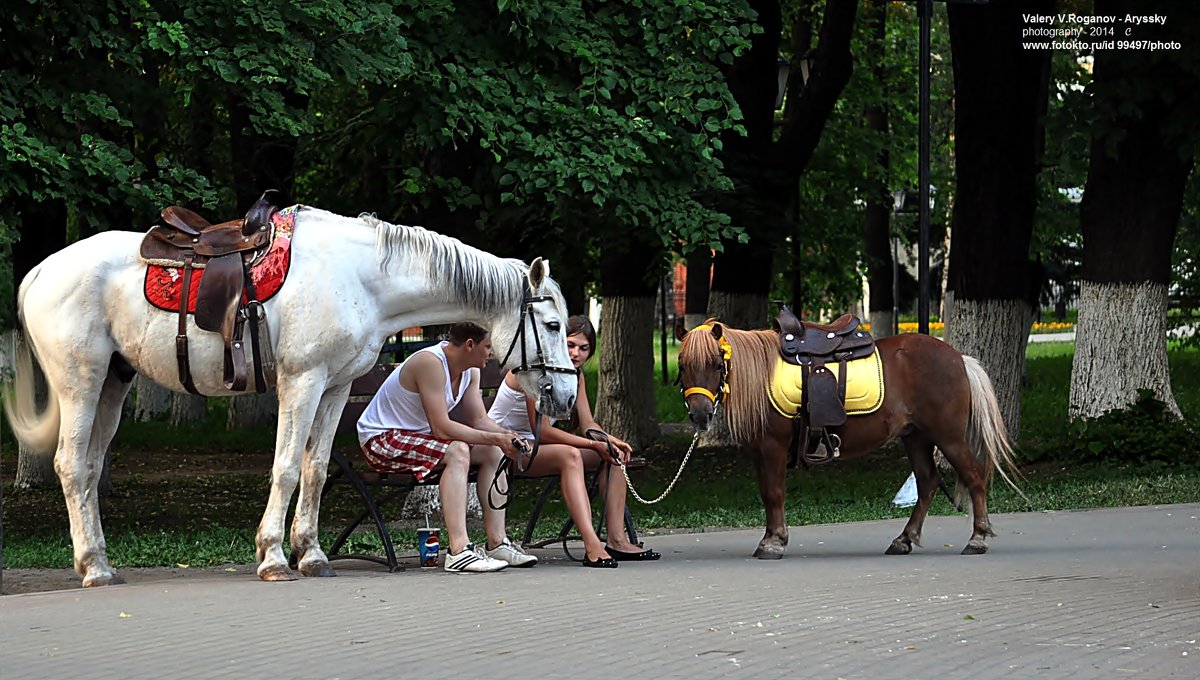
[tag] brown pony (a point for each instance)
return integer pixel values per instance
(933, 397)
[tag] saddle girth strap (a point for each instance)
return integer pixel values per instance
(181, 340)
(235, 357)
(253, 311)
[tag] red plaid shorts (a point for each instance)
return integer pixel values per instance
(415, 453)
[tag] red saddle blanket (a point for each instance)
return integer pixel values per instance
(163, 284)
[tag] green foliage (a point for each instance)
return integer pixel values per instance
(538, 113)
(1143, 433)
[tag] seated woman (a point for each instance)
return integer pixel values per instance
(563, 452)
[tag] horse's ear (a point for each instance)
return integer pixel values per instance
(680, 331)
(539, 271)
(717, 331)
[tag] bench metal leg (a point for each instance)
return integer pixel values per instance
(372, 509)
(565, 533)
(543, 496)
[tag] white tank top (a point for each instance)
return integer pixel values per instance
(508, 410)
(395, 408)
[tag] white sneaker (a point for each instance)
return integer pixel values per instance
(512, 555)
(472, 559)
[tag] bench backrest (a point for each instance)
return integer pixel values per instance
(365, 386)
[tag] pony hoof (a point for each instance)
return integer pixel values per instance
(975, 549)
(317, 569)
(769, 553)
(277, 572)
(898, 547)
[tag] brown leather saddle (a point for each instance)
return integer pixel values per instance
(814, 347)
(226, 298)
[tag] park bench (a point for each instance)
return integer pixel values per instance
(377, 490)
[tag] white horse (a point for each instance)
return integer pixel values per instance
(352, 282)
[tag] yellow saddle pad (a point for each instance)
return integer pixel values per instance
(864, 386)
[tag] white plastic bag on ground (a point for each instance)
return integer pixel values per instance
(906, 497)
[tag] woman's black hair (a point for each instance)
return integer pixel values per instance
(581, 324)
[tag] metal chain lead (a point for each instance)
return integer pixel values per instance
(670, 486)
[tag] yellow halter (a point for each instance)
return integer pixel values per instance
(726, 358)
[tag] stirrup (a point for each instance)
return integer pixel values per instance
(829, 448)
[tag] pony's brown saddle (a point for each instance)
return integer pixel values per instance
(823, 396)
(226, 297)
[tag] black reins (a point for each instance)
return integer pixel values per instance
(525, 461)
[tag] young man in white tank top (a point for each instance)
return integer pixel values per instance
(407, 428)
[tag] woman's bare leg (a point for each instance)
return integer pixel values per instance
(566, 462)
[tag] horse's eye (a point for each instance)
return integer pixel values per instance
(554, 326)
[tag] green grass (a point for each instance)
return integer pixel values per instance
(179, 502)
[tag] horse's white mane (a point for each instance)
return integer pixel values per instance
(466, 273)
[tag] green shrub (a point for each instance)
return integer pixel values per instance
(1145, 433)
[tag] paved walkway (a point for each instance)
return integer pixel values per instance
(1098, 594)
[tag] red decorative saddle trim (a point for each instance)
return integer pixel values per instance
(163, 284)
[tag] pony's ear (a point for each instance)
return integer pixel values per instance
(539, 271)
(680, 331)
(717, 331)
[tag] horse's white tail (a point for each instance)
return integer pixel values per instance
(986, 433)
(37, 432)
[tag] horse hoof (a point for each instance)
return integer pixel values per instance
(317, 569)
(276, 572)
(975, 549)
(769, 553)
(898, 547)
(104, 579)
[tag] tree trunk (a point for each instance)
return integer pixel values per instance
(996, 331)
(252, 410)
(35, 470)
(699, 278)
(187, 409)
(630, 270)
(625, 398)
(1120, 348)
(878, 244)
(744, 269)
(883, 322)
(1129, 215)
(426, 502)
(744, 310)
(151, 400)
(1000, 96)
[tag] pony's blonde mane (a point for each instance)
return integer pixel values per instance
(751, 369)
(464, 273)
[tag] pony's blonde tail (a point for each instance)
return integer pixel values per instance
(986, 434)
(37, 432)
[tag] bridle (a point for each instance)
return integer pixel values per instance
(544, 385)
(527, 303)
(723, 383)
